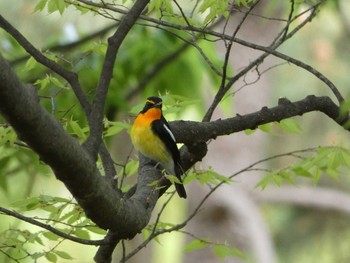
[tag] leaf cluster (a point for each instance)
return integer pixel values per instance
(330, 161)
(61, 213)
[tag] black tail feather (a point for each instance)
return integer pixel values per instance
(180, 189)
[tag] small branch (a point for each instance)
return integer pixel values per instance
(160, 65)
(223, 88)
(291, 12)
(71, 77)
(68, 46)
(268, 50)
(95, 118)
(51, 229)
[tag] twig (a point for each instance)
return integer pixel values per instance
(268, 50)
(223, 88)
(68, 46)
(71, 77)
(50, 228)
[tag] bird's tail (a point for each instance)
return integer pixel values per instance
(180, 189)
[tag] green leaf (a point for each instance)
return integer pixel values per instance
(68, 215)
(57, 83)
(63, 254)
(40, 6)
(115, 127)
(266, 127)
(249, 131)
(223, 251)
(131, 167)
(96, 230)
(81, 233)
(196, 244)
(289, 125)
(46, 198)
(75, 216)
(56, 5)
(50, 256)
(77, 130)
(146, 232)
(212, 177)
(51, 236)
(37, 255)
(30, 64)
(43, 82)
(173, 179)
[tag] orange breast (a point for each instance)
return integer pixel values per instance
(145, 141)
(147, 117)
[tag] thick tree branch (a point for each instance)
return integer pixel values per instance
(190, 132)
(72, 164)
(71, 77)
(104, 253)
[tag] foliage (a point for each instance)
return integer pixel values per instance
(331, 161)
(55, 212)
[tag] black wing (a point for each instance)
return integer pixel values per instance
(162, 129)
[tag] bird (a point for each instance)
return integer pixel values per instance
(151, 135)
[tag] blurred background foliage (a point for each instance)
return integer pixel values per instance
(187, 85)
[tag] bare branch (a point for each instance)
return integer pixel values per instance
(190, 132)
(69, 46)
(223, 88)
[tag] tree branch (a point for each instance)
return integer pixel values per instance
(190, 132)
(104, 253)
(114, 42)
(71, 77)
(270, 50)
(72, 164)
(69, 46)
(51, 229)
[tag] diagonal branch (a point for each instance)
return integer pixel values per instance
(71, 77)
(71, 45)
(114, 42)
(50, 228)
(223, 87)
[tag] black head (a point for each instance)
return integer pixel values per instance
(152, 102)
